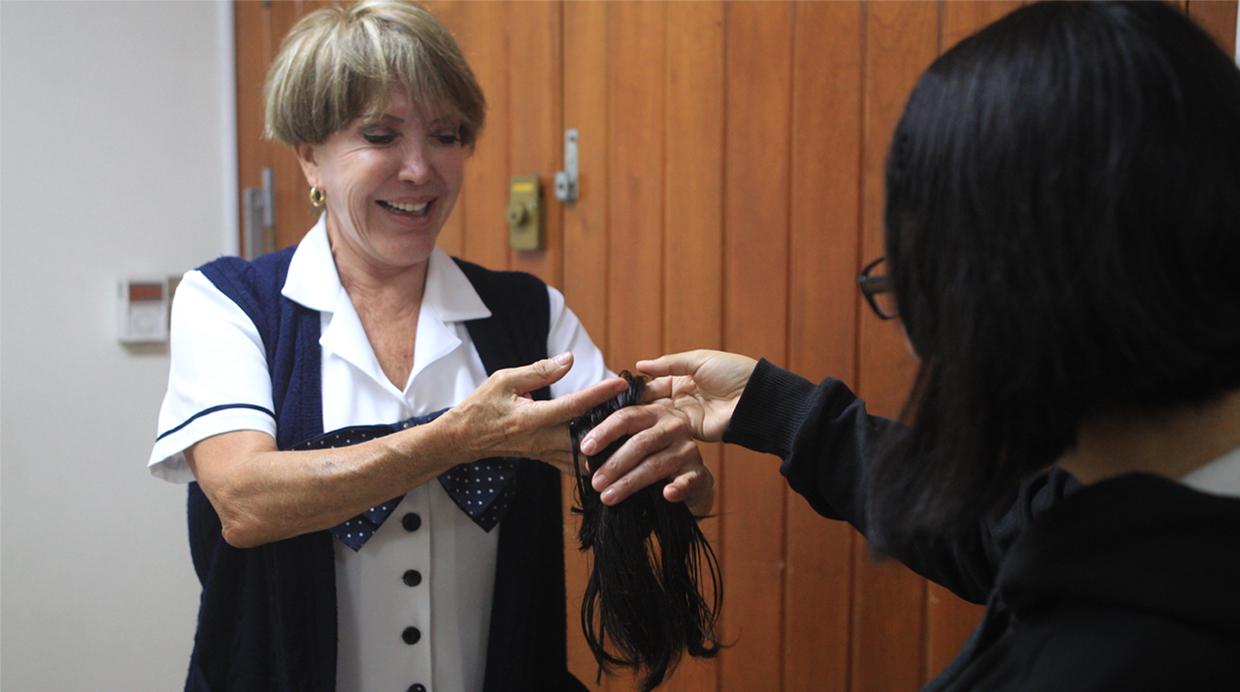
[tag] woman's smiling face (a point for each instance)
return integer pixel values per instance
(391, 179)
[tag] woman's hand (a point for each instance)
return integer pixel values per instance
(693, 395)
(703, 385)
(500, 419)
(661, 447)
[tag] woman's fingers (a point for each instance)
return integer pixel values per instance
(523, 380)
(564, 408)
(695, 487)
(538, 374)
(680, 464)
(626, 421)
(659, 445)
(657, 388)
(683, 363)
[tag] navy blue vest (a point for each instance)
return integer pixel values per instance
(267, 615)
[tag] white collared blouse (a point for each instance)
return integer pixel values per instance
(217, 359)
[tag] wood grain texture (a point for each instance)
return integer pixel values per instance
(901, 39)
(693, 222)
(756, 184)
(825, 208)
(637, 52)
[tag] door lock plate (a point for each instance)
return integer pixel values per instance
(525, 213)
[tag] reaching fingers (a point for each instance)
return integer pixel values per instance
(657, 388)
(564, 408)
(659, 446)
(538, 374)
(683, 363)
(694, 487)
(671, 464)
(626, 421)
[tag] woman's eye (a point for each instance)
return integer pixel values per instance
(447, 138)
(378, 137)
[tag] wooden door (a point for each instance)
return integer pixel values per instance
(731, 185)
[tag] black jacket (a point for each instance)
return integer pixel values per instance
(1129, 584)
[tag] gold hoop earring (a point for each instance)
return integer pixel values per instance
(317, 197)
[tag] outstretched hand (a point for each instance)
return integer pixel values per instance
(500, 419)
(703, 385)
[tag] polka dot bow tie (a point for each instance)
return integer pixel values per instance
(482, 489)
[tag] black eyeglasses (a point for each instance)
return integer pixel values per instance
(876, 287)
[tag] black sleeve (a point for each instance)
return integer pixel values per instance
(826, 438)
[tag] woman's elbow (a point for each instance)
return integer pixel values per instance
(239, 527)
(239, 534)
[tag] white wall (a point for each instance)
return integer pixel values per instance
(116, 157)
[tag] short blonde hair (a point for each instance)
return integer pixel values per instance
(338, 64)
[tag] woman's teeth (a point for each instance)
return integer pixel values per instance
(415, 209)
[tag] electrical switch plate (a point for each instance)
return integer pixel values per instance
(143, 310)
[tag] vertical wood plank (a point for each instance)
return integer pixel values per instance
(826, 156)
(483, 36)
(693, 219)
(1218, 18)
(586, 266)
(638, 51)
(757, 143)
(889, 601)
(536, 133)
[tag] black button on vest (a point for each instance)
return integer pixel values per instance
(417, 687)
(412, 577)
(411, 521)
(411, 635)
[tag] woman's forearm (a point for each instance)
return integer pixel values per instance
(264, 495)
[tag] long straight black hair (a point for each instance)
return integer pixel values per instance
(1063, 230)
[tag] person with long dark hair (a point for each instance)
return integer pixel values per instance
(1063, 250)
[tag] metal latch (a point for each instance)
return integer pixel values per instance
(566, 180)
(259, 211)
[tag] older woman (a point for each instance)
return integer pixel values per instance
(444, 572)
(1063, 231)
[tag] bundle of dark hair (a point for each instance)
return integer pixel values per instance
(643, 592)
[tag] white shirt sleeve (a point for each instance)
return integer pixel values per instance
(218, 380)
(567, 334)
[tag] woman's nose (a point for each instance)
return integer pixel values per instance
(415, 165)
